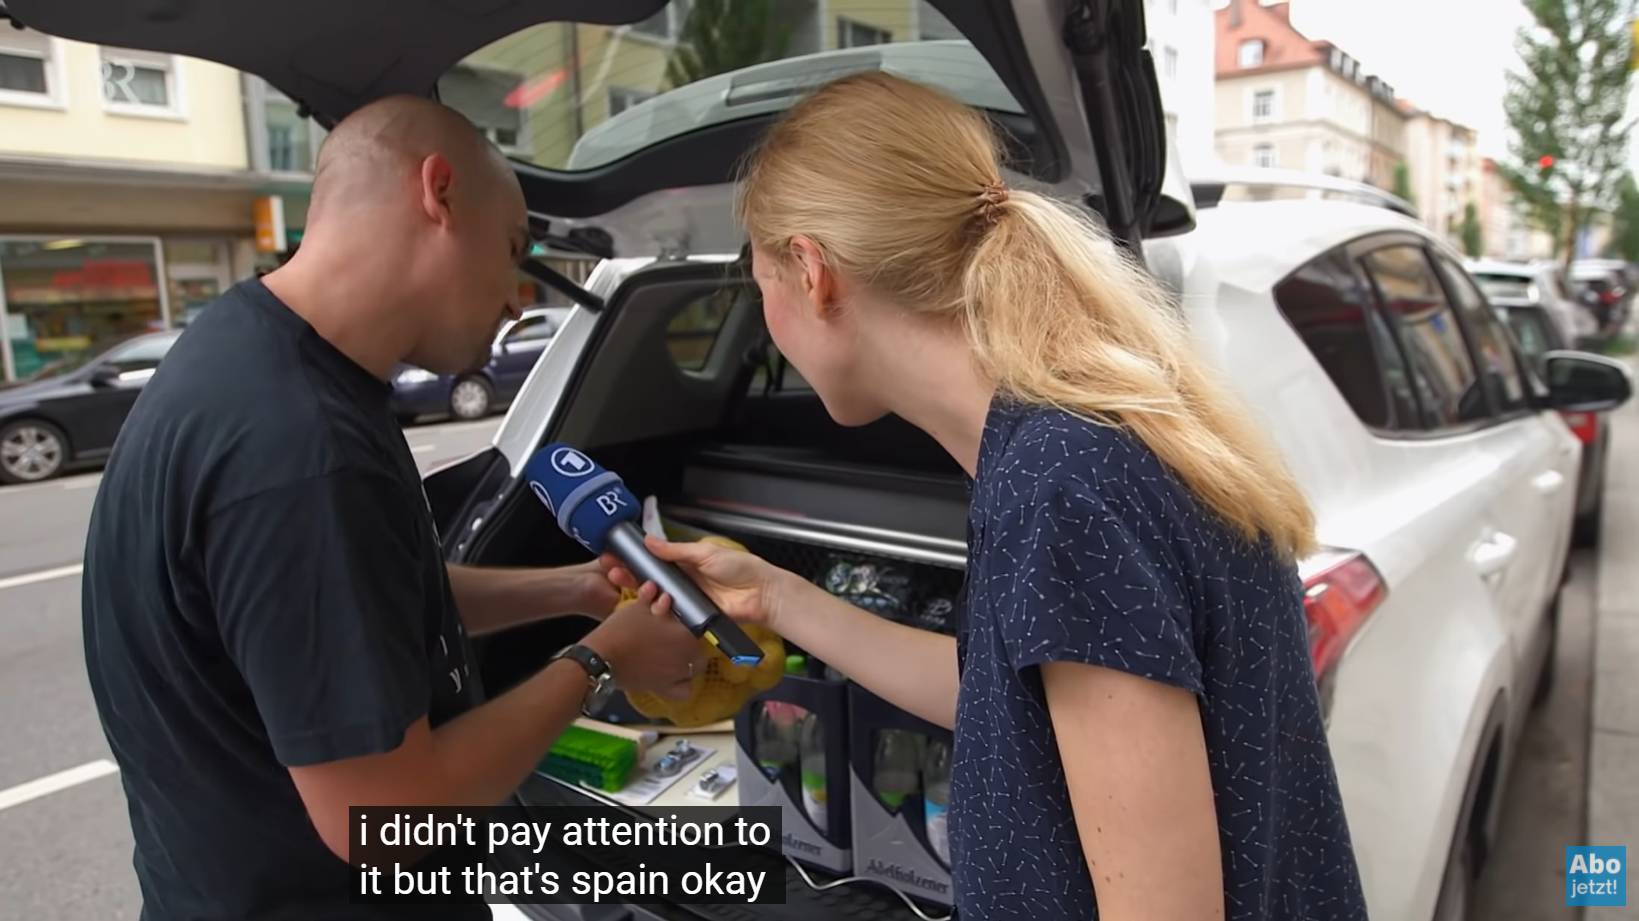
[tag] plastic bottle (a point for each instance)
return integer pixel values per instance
(776, 737)
(813, 771)
(898, 766)
(936, 776)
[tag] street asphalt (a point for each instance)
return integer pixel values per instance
(65, 843)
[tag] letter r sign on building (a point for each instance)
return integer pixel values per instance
(1596, 876)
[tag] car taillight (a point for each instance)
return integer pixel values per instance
(1609, 297)
(1585, 426)
(1341, 589)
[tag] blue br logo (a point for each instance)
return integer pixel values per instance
(1596, 876)
(570, 462)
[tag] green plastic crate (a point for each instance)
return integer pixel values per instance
(586, 756)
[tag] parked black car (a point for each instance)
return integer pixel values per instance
(67, 415)
(1538, 335)
(473, 395)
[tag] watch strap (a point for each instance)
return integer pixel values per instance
(596, 666)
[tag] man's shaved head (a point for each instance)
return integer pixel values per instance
(375, 147)
(413, 206)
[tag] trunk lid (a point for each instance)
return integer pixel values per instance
(1070, 79)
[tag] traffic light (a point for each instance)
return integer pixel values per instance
(1545, 162)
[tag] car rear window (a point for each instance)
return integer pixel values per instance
(1517, 287)
(577, 96)
(1329, 304)
(692, 333)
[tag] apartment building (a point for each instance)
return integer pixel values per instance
(129, 184)
(1288, 101)
(1445, 168)
(1180, 33)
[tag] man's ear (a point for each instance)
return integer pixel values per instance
(818, 282)
(437, 185)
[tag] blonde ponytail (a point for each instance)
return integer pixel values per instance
(898, 185)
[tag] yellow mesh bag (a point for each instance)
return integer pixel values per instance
(719, 690)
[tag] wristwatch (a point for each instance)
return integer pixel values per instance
(598, 674)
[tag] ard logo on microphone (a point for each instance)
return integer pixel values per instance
(569, 462)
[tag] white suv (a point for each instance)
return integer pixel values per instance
(1442, 479)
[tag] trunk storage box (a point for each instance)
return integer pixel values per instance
(900, 777)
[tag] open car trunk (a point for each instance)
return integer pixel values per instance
(742, 449)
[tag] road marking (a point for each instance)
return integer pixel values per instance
(55, 783)
(422, 449)
(44, 575)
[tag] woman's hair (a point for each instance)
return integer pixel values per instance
(899, 186)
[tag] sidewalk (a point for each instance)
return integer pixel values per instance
(1613, 758)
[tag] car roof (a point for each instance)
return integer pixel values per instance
(1256, 244)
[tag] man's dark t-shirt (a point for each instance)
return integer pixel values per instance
(263, 588)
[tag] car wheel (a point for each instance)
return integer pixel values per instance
(31, 450)
(1586, 532)
(1545, 675)
(470, 398)
(1457, 888)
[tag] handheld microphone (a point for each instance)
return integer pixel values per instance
(594, 507)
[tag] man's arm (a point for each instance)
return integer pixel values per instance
(480, 757)
(496, 599)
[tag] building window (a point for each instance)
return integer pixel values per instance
(622, 98)
(482, 94)
(1264, 156)
(289, 136)
(139, 82)
(1170, 56)
(852, 34)
(28, 69)
(1263, 105)
(1252, 53)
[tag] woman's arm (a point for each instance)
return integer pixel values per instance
(1136, 766)
(913, 669)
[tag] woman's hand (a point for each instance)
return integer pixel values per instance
(743, 586)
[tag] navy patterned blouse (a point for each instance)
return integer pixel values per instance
(1082, 547)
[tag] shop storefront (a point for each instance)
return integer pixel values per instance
(62, 296)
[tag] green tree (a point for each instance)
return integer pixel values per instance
(1625, 222)
(1472, 236)
(725, 35)
(1402, 183)
(1567, 116)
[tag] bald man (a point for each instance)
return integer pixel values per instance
(271, 632)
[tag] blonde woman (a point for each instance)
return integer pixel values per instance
(1138, 734)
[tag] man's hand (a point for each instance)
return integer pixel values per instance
(588, 583)
(647, 653)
